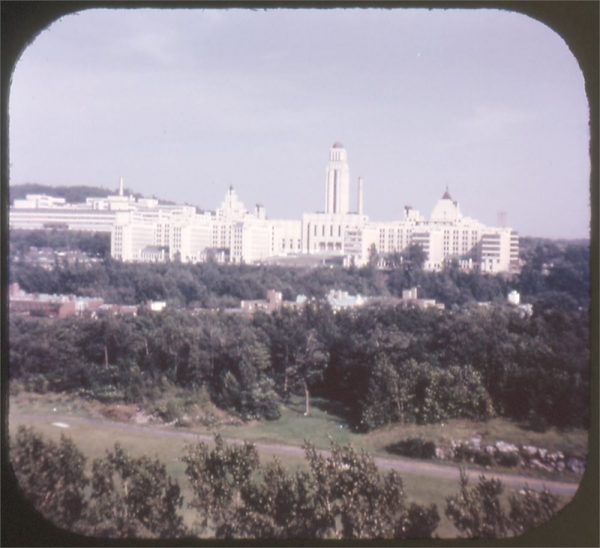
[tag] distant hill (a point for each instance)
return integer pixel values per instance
(72, 194)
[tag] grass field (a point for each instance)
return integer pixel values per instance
(324, 425)
(94, 443)
(292, 428)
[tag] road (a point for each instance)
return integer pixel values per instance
(399, 464)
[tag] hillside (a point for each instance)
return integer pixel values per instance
(72, 194)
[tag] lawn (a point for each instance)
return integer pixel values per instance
(322, 427)
(94, 443)
(325, 425)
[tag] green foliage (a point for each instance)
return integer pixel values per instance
(72, 194)
(277, 505)
(416, 448)
(52, 476)
(423, 393)
(381, 363)
(529, 508)
(342, 495)
(133, 497)
(354, 500)
(96, 244)
(217, 477)
(477, 512)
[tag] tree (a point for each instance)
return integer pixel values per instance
(414, 256)
(52, 476)
(217, 477)
(478, 513)
(373, 257)
(529, 508)
(309, 364)
(354, 500)
(342, 495)
(133, 497)
(277, 505)
(420, 392)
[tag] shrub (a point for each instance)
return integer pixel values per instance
(416, 448)
(478, 513)
(51, 476)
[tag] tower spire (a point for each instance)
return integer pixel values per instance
(337, 180)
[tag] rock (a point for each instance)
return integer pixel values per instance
(504, 447)
(560, 466)
(475, 442)
(440, 453)
(542, 453)
(554, 457)
(529, 451)
(576, 465)
(538, 465)
(490, 450)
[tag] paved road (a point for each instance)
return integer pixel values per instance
(401, 465)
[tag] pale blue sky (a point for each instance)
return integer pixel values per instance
(183, 103)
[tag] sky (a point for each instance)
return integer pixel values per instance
(184, 103)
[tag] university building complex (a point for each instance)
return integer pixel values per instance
(144, 230)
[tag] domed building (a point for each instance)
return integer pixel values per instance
(237, 235)
(445, 210)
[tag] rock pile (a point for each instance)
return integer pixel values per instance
(499, 453)
(507, 454)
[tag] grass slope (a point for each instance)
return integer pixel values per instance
(322, 427)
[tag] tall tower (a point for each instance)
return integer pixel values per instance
(121, 186)
(337, 180)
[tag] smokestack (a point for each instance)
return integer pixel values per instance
(260, 212)
(359, 207)
(121, 186)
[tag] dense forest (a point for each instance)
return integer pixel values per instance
(552, 271)
(96, 244)
(341, 495)
(382, 363)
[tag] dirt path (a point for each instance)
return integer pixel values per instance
(401, 465)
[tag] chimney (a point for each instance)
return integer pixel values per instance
(121, 186)
(260, 212)
(359, 207)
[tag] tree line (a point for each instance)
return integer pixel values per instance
(551, 272)
(96, 244)
(381, 363)
(339, 495)
(71, 194)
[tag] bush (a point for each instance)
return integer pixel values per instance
(51, 475)
(478, 512)
(416, 448)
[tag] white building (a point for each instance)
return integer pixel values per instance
(38, 211)
(144, 230)
(337, 230)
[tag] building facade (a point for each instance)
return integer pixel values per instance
(145, 231)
